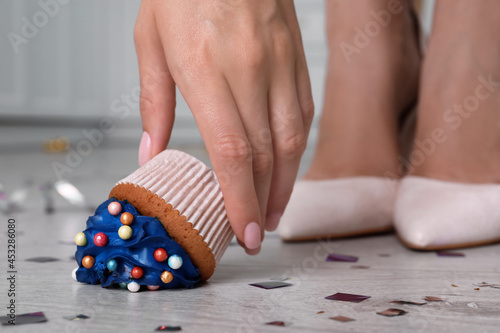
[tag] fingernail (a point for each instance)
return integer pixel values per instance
(272, 221)
(144, 148)
(252, 236)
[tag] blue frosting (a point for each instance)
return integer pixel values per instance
(148, 235)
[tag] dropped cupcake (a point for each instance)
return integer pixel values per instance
(163, 227)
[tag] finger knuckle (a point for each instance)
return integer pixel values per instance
(293, 145)
(233, 148)
(262, 163)
(307, 108)
(254, 57)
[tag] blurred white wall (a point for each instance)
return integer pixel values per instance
(73, 62)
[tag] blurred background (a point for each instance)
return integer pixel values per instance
(69, 90)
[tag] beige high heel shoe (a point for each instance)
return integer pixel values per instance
(337, 208)
(433, 214)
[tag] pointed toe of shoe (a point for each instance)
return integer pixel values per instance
(338, 208)
(432, 214)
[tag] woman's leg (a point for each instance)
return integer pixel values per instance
(455, 201)
(372, 77)
(373, 72)
(458, 131)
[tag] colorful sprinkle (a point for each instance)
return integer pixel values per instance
(80, 239)
(127, 218)
(160, 255)
(88, 261)
(112, 265)
(125, 232)
(152, 288)
(123, 285)
(137, 272)
(167, 277)
(100, 239)
(133, 287)
(114, 208)
(175, 262)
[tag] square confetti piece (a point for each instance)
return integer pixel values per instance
(409, 302)
(341, 257)
(270, 284)
(26, 318)
(342, 319)
(169, 328)
(360, 267)
(42, 259)
(392, 312)
(449, 254)
(347, 297)
(77, 317)
(276, 323)
(433, 299)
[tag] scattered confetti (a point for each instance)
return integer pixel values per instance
(169, 328)
(495, 286)
(279, 278)
(454, 285)
(276, 323)
(270, 284)
(392, 312)
(77, 317)
(320, 312)
(409, 302)
(449, 254)
(347, 297)
(360, 267)
(385, 255)
(482, 284)
(42, 259)
(341, 257)
(26, 318)
(472, 305)
(476, 289)
(342, 319)
(433, 299)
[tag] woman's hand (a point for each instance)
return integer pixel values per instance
(240, 66)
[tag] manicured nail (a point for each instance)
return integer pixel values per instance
(252, 235)
(145, 149)
(272, 221)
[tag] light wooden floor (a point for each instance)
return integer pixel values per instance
(227, 303)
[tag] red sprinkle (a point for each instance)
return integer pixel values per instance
(136, 272)
(100, 239)
(160, 255)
